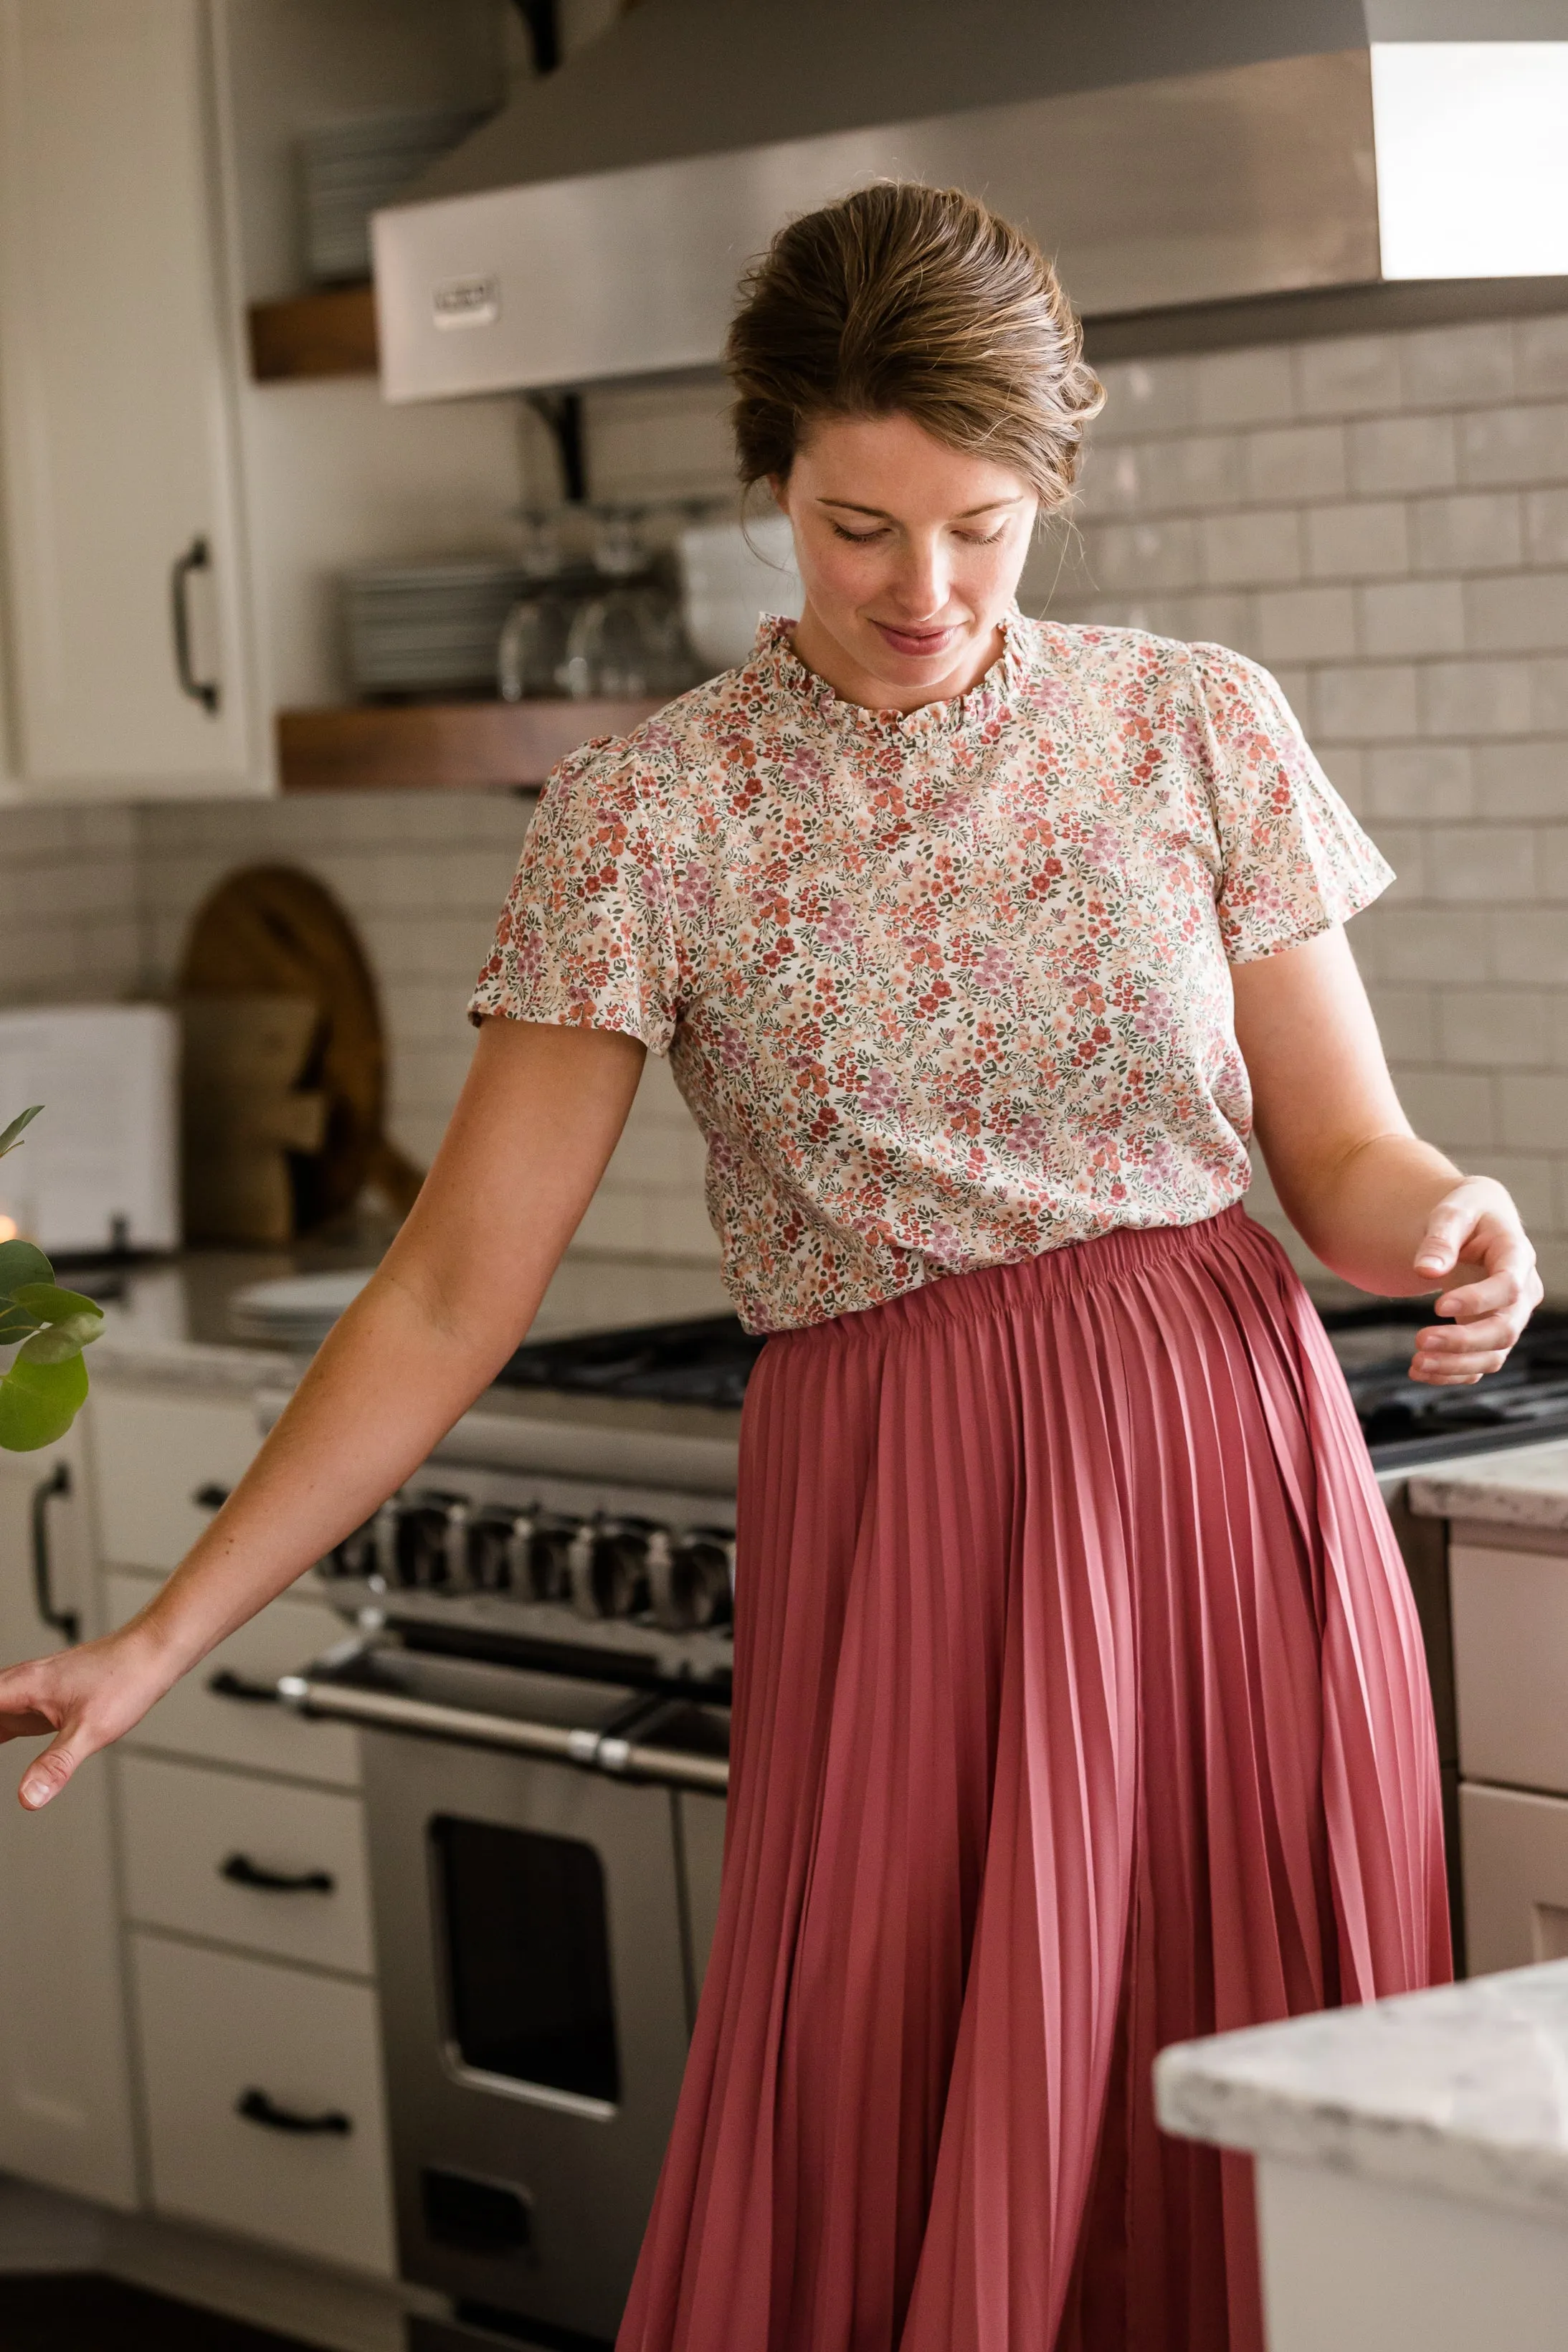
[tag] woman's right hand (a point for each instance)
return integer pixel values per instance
(87, 1696)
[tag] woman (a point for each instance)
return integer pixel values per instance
(1080, 1702)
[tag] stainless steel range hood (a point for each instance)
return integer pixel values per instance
(1167, 151)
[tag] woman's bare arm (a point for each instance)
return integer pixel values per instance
(528, 1140)
(1384, 1210)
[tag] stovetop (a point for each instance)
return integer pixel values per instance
(709, 1362)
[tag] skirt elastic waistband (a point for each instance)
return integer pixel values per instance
(1038, 1282)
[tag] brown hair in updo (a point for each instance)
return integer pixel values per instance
(907, 300)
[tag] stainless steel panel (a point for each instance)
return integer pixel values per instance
(1193, 188)
(586, 2171)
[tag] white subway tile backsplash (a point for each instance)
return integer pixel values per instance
(1478, 699)
(1521, 779)
(1300, 461)
(1144, 396)
(1243, 387)
(1457, 367)
(1306, 624)
(1403, 453)
(1495, 1028)
(1481, 865)
(1424, 782)
(1248, 550)
(1521, 612)
(1534, 1111)
(1520, 446)
(1143, 555)
(1407, 1022)
(1475, 532)
(1540, 354)
(1530, 945)
(1546, 526)
(1348, 375)
(1405, 943)
(1365, 541)
(1369, 704)
(1410, 617)
(1456, 1109)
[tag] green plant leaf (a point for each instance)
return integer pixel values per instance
(45, 1302)
(20, 1263)
(11, 1136)
(15, 1324)
(38, 1403)
(60, 1341)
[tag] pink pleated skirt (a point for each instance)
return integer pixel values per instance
(1079, 1707)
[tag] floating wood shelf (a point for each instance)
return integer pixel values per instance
(314, 334)
(442, 746)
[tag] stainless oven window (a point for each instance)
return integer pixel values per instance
(526, 1941)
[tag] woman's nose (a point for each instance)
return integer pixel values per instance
(922, 584)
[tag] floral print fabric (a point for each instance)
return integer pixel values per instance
(943, 988)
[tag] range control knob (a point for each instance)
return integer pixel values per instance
(546, 1547)
(691, 1578)
(432, 1544)
(497, 1550)
(609, 1566)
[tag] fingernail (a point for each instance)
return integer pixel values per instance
(35, 1792)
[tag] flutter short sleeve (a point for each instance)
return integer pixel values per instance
(586, 938)
(1293, 859)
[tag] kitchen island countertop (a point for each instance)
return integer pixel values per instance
(1526, 1490)
(1463, 2090)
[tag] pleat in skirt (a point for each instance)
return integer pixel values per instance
(1080, 1708)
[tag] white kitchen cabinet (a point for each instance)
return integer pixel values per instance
(66, 2107)
(1515, 1853)
(1511, 1655)
(265, 2109)
(122, 501)
(163, 1462)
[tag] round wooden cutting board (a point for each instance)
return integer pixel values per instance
(274, 930)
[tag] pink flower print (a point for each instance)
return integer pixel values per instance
(880, 1098)
(693, 890)
(1155, 1018)
(836, 929)
(996, 972)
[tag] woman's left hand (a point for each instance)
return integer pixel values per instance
(1475, 1225)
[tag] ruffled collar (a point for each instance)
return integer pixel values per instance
(993, 697)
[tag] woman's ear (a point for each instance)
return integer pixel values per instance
(779, 484)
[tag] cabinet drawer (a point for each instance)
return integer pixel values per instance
(1514, 1854)
(217, 2031)
(153, 1455)
(1511, 1665)
(198, 1843)
(207, 1714)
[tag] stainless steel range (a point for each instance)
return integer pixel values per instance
(541, 1669)
(540, 1666)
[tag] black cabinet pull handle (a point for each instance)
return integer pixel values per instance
(211, 1497)
(225, 1683)
(257, 2108)
(240, 1870)
(197, 557)
(62, 1620)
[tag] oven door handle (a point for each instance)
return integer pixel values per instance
(593, 1750)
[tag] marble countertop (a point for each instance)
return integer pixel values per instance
(1525, 1488)
(1462, 2090)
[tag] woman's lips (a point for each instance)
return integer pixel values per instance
(920, 643)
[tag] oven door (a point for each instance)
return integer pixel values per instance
(536, 1952)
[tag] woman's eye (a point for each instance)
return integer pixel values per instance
(984, 538)
(859, 538)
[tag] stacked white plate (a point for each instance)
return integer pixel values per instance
(348, 169)
(299, 1310)
(429, 628)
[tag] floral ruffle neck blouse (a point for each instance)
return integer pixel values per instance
(947, 988)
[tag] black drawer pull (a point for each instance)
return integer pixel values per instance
(225, 1683)
(257, 2108)
(211, 1497)
(240, 1870)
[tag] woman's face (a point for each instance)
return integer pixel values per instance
(909, 552)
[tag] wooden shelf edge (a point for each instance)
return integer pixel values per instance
(452, 747)
(330, 333)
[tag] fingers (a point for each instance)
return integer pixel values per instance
(47, 1775)
(1447, 1228)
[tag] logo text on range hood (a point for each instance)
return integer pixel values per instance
(466, 302)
